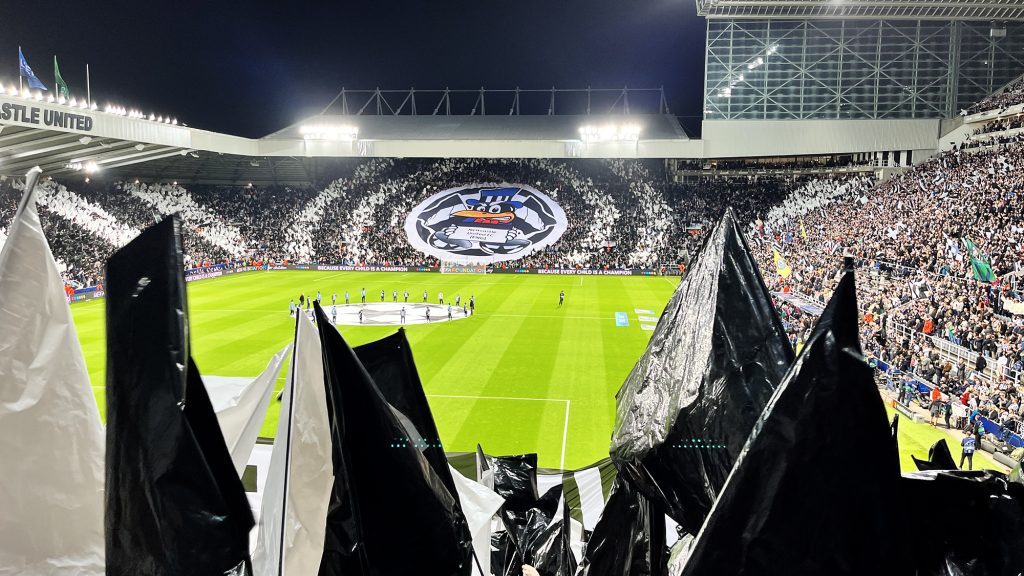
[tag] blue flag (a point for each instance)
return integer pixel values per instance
(25, 70)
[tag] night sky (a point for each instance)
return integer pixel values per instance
(250, 68)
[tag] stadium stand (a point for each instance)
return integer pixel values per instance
(1012, 95)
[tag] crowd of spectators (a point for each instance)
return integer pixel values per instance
(917, 239)
(1011, 96)
(916, 236)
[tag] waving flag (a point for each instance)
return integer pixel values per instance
(58, 81)
(982, 270)
(25, 70)
(781, 266)
(51, 438)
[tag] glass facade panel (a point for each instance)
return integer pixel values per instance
(803, 69)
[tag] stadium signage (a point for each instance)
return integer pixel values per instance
(24, 114)
(589, 272)
(485, 223)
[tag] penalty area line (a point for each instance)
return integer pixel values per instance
(565, 433)
(565, 424)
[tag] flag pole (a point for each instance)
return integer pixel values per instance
(88, 88)
(21, 78)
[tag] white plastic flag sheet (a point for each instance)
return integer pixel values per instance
(293, 518)
(241, 404)
(51, 438)
(479, 504)
(592, 499)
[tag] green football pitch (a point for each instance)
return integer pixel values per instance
(521, 375)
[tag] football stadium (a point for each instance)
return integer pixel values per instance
(554, 331)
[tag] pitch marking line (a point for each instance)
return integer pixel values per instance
(565, 427)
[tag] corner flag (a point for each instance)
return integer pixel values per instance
(59, 84)
(25, 70)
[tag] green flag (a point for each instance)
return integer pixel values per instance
(982, 270)
(62, 87)
(970, 247)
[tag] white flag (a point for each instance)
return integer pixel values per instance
(51, 438)
(293, 519)
(479, 504)
(241, 405)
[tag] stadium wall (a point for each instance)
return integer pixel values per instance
(760, 138)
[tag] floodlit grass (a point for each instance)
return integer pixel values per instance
(521, 360)
(917, 438)
(507, 377)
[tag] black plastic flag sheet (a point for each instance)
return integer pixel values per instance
(550, 547)
(963, 523)
(51, 438)
(397, 500)
(174, 503)
(716, 356)
(939, 458)
(293, 513)
(797, 502)
(628, 539)
(390, 364)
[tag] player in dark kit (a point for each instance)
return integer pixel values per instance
(561, 297)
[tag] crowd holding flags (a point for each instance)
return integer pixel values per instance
(770, 464)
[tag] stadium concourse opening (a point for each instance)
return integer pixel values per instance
(391, 314)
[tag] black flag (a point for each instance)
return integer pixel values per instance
(391, 366)
(686, 409)
(629, 537)
(964, 523)
(797, 502)
(174, 504)
(939, 458)
(406, 519)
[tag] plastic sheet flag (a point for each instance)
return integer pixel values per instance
(293, 515)
(797, 502)
(717, 355)
(551, 548)
(174, 503)
(51, 438)
(390, 364)
(390, 512)
(621, 319)
(979, 533)
(628, 539)
(241, 406)
(939, 458)
(479, 504)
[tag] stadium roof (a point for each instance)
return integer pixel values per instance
(994, 10)
(60, 152)
(68, 141)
